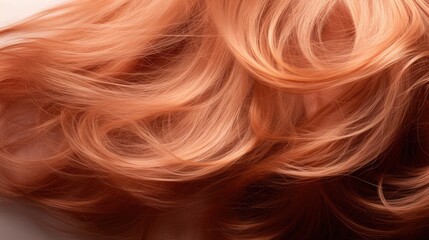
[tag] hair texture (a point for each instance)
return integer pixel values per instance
(221, 119)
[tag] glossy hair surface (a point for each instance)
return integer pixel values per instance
(221, 119)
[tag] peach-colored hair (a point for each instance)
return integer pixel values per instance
(236, 119)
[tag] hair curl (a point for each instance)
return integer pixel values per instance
(221, 119)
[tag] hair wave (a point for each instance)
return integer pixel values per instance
(243, 119)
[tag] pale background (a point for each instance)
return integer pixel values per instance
(15, 224)
(14, 10)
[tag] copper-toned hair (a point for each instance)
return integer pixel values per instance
(221, 119)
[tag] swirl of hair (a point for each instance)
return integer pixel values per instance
(220, 119)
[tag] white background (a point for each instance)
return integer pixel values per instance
(14, 10)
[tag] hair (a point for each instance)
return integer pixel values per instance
(221, 119)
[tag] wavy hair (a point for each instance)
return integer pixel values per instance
(221, 119)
